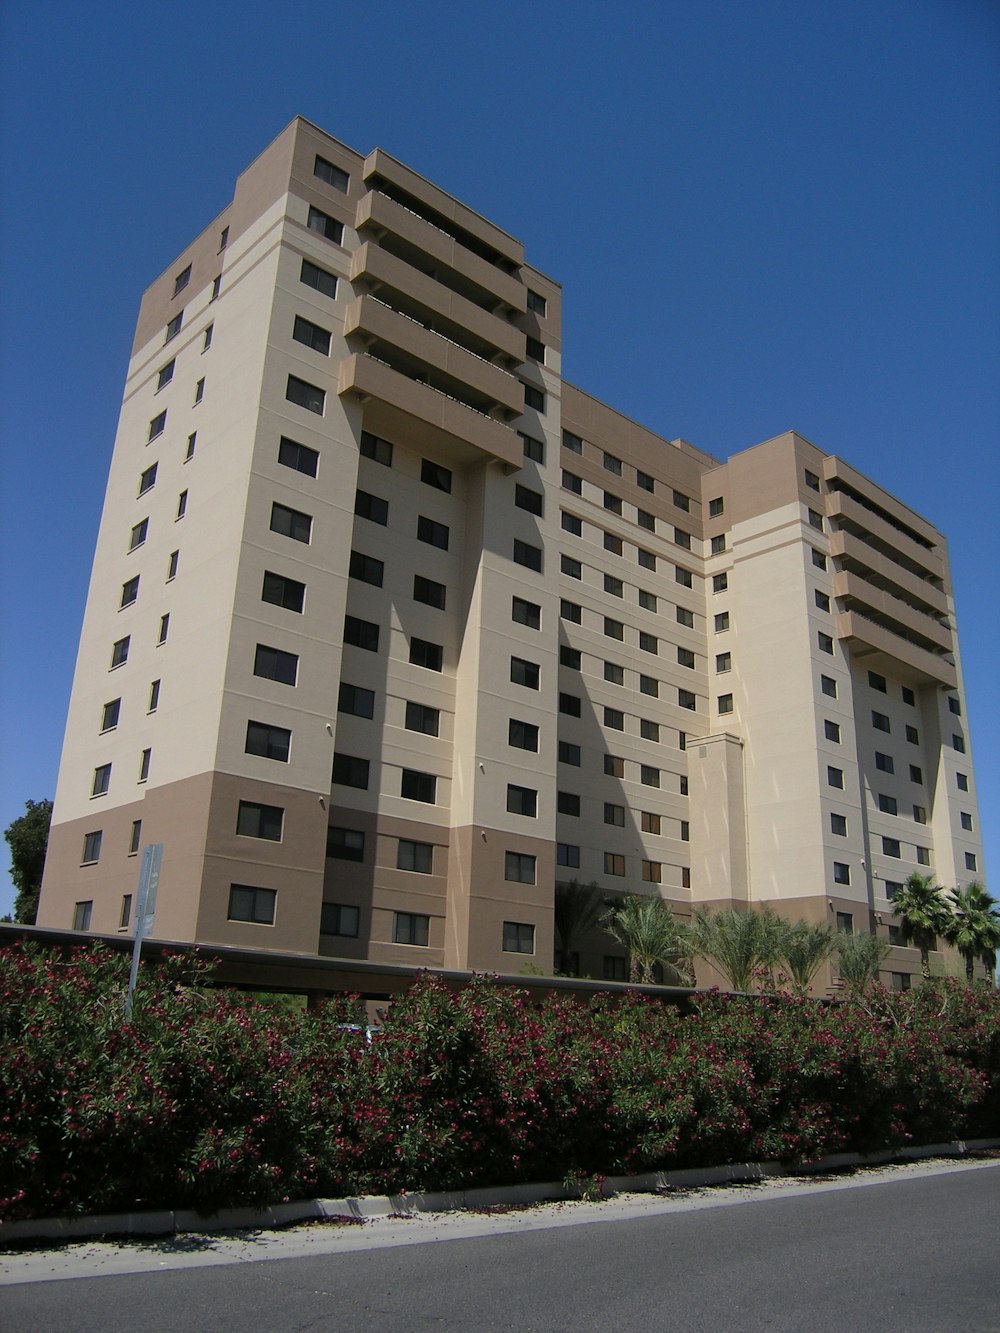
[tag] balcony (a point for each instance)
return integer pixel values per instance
(378, 324)
(457, 267)
(397, 407)
(455, 217)
(881, 606)
(917, 592)
(378, 269)
(881, 650)
(874, 531)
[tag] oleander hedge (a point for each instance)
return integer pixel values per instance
(208, 1098)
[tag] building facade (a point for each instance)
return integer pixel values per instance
(390, 628)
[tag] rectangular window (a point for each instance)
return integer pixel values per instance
(519, 868)
(525, 613)
(361, 634)
(164, 628)
(614, 814)
(812, 481)
(917, 775)
(923, 855)
(568, 803)
(614, 718)
(182, 279)
(154, 696)
(377, 449)
(818, 558)
(174, 327)
(682, 538)
(281, 591)
(524, 673)
(815, 520)
(821, 599)
(571, 524)
(429, 592)
(835, 777)
(570, 567)
(291, 523)
(534, 450)
(417, 786)
(345, 844)
(331, 175)
(831, 730)
(650, 822)
(686, 699)
(908, 696)
(716, 507)
(417, 857)
(126, 912)
(920, 814)
(534, 398)
(652, 872)
(433, 474)
(275, 664)
(166, 374)
(297, 456)
(899, 982)
(527, 555)
(722, 622)
(828, 685)
(306, 395)
(685, 657)
(192, 441)
(324, 225)
(613, 544)
(725, 703)
(880, 721)
(130, 591)
(522, 735)
(269, 742)
(570, 611)
(883, 762)
(958, 743)
(199, 391)
(318, 278)
(954, 705)
(572, 442)
(970, 861)
(157, 426)
(254, 820)
(719, 544)
(877, 682)
(536, 302)
(144, 765)
(569, 704)
(890, 847)
(182, 504)
(613, 629)
(567, 855)
(825, 642)
(350, 771)
(339, 919)
(172, 561)
(216, 286)
(615, 969)
(645, 520)
(720, 582)
(614, 766)
(529, 500)
(644, 481)
(648, 730)
(912, 735)
(522, 801)
(82, 914)
(647, 600)
(649, 776)
(248, 903)
(612, 503)
(961, 779)
(841, 873)
(723, 662)
(887, 804)
(569, 754)
(614, 587)
(434, 534)
(966, 821)
(845, 920)
(138, 534)
(102, 780)
(425, 654)
(518, 937)
(111, 714)
(91, 847)
(422, 718)
(356, 700)
(649, 685)
(366, 569)
(614, 864)
(612, 464)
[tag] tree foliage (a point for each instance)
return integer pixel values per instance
(806, 948)
(652, 934)
(28, 837)
(577, 909)
(923, 915)
(744, 946)
(860, 957)
(974, 927)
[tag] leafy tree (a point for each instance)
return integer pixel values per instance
(861, 957)
(974, 928)
(577, 909)
(923, 915)
(744, 946)
(806, 948)
(652, 934)
(28, 837)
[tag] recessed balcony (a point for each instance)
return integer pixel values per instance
(905, 620)
(874, 531)
(398, 407)
(883, 651)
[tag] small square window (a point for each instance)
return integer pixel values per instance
(685, 657)
(378, 450)
(646, 559)
(522, 735)
(686, 699)
(572, 524)
(818, 558)
(838, 825)
(568, 803)
(533, 502)
(570, 611)
(536, 302)
(958, 743)
(425, 654)
(525, 613)
(716, 507)
(884, 763)
(268, 742)
(174, 327)
(723, 662)
(567, 855)
(433, 533)
(416, 786)
(182, 279)
(110, 714)
(614, 814)
(422, 718)
(411, 928)
(165, 375)
(916, 773)
(361, 634)
(569, 704)
(519, 868)
(530, 557)
(835, 777)
(429, 592)
(648, 643)
(331, 175)
(569, 657)
(908, 696)
(354, 700)
(364, 568)
(719, 544)
(650, 822)
(644, 481)
(344, 844)
(318, 278)
(569, 754)
(649, 730)
(877, 682)
(652, 872)
(130, 591)
(966, 821)
(831, 730)
(534, 398)
(649, 776)
(919, 814)
(614, 766)
(613, 629)
(841, 875)
(91, 847)
(682, 538)
(954, 705)
(811, 479)
(912, 735)
(138, 534)
(572, 442)
(845, 920)
(417, 857)
(324, 225)
(825, 642)
(828, 685)
(961, 780)
(254, 820)
(81, 914)
(890, 847)
(647, 600)
(649, 685)
(613, 544)
(614, 718)
(923, 855)
(534, 350)
(822, 600)
(614, 864)
(815, 520)
(722, 622)
(119, 652)
(341, 919)
(534, 450)
(971, 862)
(524, 673)
(720, 582)
(303, 394)
(612, 503)
(683, 577)
(645, 520)
(887, 804)
(725, 703)
(682, 501)
(375, 509)
(612, 464)
(310, 335)
(614, 587)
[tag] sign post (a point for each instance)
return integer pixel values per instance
(149, 879)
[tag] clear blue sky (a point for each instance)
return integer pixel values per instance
(767, 214)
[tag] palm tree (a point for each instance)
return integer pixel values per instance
(861, 957)
(744, 946)
(923, 915)
(805, 949)
(652, 934)
(577, 909)
(974, 928)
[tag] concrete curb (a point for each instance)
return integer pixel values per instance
(166, 1222)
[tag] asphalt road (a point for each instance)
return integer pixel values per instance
(909, 1250)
